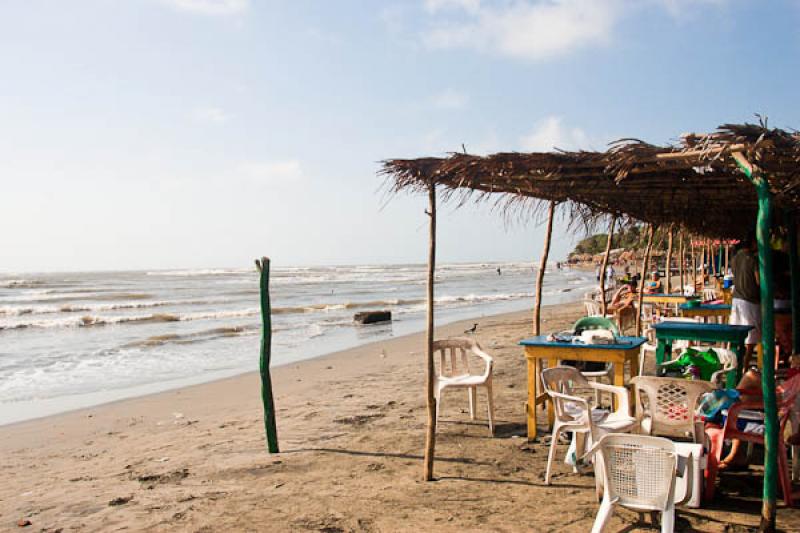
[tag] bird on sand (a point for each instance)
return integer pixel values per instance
(472, 329)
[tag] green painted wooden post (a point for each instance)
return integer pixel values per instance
(266, 353)
(771, 436)
(791, 225)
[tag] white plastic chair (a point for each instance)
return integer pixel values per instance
(709, 294)
(638, 473)
(574, 414)
(459, 375)
(666, 406)
(592, 307)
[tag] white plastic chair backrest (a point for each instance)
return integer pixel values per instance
(709, 294)
(666, 406)
(592, 307)
(726, 358)
(565, 380)
(639, 470)
(454, 356)
(688, 290)
(729, 363)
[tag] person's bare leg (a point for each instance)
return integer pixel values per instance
(749, 349)
(750, 382)
(734, 457)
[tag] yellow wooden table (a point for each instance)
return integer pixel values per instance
(720, 312)
(660, 298)
(539, 349)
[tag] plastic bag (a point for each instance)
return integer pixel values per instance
(713, 403)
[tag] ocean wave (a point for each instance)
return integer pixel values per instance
(80, 308)
(21, 284)
(472, 298)
(202, 272)
(94, 320)
(195, 337)
(315, 308)
(51, 297)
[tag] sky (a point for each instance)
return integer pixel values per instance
(143, 134)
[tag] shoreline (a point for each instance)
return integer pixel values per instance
(277, 371)
(108, 397)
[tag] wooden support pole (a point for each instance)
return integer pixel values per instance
(430, 437)
(604, 266)
(712, 266)
(668, 267)
(537, 305)
(771, 425)
(794, 266)
(727, 257)
(682, 254)
(694, 269)
(642, 281)
(266, 354)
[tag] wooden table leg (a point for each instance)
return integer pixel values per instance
(619, 377)
(634, 359)
(530, 407)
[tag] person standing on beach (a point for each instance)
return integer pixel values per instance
(746, 306)
(610, 273)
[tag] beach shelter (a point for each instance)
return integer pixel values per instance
(719, 185)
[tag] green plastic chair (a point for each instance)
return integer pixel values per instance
(595, 322)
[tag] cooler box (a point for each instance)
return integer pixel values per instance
(691, 481)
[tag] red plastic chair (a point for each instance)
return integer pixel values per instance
(787, 394)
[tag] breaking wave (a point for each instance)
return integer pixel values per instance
(93, 320)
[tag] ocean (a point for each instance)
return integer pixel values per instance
(72, 340)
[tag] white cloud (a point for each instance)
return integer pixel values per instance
(550, 133)
(536, 30)
(433, 6)
(270, 172)
(210, 114)
(450, 99)
(211, 7)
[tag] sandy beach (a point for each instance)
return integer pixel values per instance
(351, 428)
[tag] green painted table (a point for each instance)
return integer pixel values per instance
(667, 332)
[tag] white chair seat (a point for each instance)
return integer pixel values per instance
(464, 380)
(617, 423)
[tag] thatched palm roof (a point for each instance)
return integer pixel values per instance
(695, 183)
